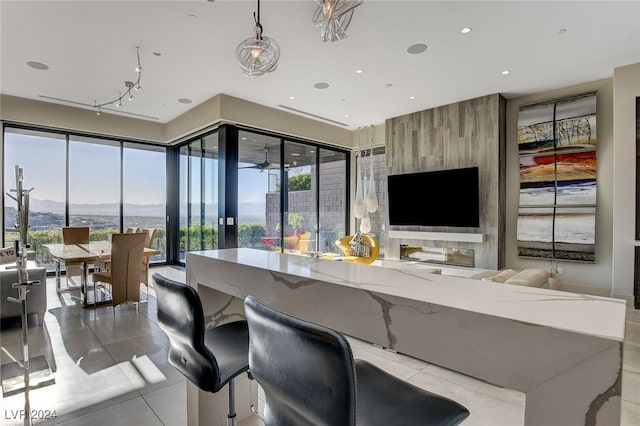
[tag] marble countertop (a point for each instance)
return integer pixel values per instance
(579, 313)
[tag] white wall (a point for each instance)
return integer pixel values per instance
(626, 87)
(220, 108)
(582, 277)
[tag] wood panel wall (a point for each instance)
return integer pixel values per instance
(464, 134)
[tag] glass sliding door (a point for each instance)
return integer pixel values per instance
(94, 185)
(301, 211)
(184, 201)
(42, 157)
(259, 211)
(144, 192)
(209, 197)
(194, 210)
(199, 195)
(333, 193)
(84, 181)
(278, 190)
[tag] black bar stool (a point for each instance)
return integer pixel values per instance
(309, 377)
(209, 358)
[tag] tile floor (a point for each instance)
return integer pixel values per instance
(111, 368)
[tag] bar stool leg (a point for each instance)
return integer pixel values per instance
(231, 416)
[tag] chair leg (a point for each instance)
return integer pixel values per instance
(231, 416)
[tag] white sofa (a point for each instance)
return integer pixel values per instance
(527, 277)
(36, 297)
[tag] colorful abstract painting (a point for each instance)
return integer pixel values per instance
(557, 154)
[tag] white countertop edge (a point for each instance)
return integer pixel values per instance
(585, 314)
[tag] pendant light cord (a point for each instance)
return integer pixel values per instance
(257, 21)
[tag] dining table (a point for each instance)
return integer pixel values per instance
(84, 255)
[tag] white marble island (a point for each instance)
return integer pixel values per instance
(563, 350)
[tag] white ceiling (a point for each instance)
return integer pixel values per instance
(90, 48)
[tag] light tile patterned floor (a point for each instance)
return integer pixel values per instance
(111, 369)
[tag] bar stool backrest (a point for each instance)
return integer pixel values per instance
(181, 317)
(292, 360)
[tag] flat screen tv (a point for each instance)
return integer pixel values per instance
(439, 198)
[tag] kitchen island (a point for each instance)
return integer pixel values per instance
(562, 350)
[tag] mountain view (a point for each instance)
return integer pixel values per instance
(47, 214)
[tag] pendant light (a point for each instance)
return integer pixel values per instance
(258, 55)
(371, 197)
(333, 17)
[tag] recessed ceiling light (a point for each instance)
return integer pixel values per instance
(38, 65)
(321, 85)
(312, 151)
(412, 97)
(295, 154)
(415, 49)
(292, 97)
(465, 30)
(359, 71)
(184, 101)
(506, 72)
(244, 138)
(346, 116)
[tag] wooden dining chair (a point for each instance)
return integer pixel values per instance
(75, 235)
(146, 260)
(124, 273)
(150, 234)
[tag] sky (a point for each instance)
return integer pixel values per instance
(94, 172)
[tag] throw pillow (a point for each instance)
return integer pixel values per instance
(359, 247)
(504, 275)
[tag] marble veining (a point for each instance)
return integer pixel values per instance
(220, 317)
(614, 391)
(386, 308)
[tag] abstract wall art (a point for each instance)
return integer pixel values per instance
(557, 153)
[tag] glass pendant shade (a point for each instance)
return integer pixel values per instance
(365, 224)
(333, 17)
(359, 207)
(258, 55)
(372, 199)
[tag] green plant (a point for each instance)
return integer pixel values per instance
(206, 235)
(300, 182)
(250, 234)
(295, 221)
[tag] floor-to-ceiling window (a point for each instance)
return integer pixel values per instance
(333, 195)
(283, 188)
(301, 210)
(43, 158)
(144, 192)
(94, 184)
(209, 196)
(259, 211)
(81, 180)
(198, 194)
(291, 195)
